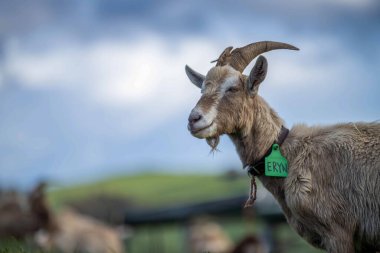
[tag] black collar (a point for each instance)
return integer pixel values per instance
(258, 167)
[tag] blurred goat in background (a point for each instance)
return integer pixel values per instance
(208, 236)
(78, 233)
(29, 216)
(21, 216)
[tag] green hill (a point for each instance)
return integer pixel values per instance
(153, 189)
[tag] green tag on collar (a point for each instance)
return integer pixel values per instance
(275, 164)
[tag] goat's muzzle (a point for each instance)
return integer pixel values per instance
(199, 125)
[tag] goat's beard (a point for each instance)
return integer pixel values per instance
(213, 143)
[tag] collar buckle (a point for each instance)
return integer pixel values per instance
(252, 171)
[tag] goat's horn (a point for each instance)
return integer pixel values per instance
(224, 57)
(239, 58)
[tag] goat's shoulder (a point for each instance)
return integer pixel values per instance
(310, 150)
(321, 155)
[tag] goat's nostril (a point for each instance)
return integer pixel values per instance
(198, 117)
(194, 117)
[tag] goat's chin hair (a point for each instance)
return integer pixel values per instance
(213, 143)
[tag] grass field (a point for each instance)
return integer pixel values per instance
(162, 190)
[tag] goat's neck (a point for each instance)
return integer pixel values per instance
(258, 133)
(253, 142)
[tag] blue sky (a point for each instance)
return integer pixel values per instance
(90, 89)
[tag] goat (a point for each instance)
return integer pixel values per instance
(331, 194)
(250, 244)
(208, 236)
(21, 216)
(78, 233)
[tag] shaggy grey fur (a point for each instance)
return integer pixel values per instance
(332, 194)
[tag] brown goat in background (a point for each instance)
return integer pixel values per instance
(205, 235)
(331, 195)
(250, 244)
(22, 216)
(30, 216)
(75, 232)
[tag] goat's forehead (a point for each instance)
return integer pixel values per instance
(219, 75)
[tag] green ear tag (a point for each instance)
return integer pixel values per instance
(275, 164)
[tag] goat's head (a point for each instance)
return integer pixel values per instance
(226, 92)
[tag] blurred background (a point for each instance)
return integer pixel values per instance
(94, 101)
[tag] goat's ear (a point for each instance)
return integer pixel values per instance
(38, 191)
(194, 76)
(257, 75)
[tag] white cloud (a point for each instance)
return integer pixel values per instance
(36, 70)
(145, 77)
(129, 74)
(321, 62)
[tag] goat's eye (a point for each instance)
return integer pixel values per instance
(232, 89)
